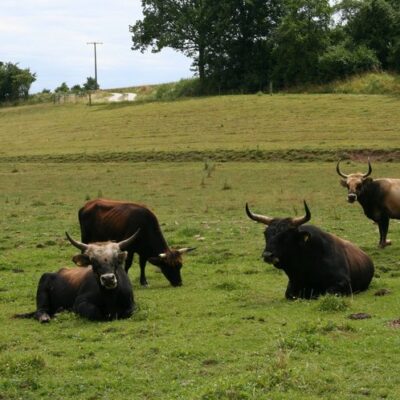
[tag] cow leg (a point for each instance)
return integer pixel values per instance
(88, 310)
(383, 224)
(142, 263)
(341, 287)
(129, 260)
(43, 298)
(291, 293)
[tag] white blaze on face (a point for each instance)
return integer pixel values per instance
(107, 256)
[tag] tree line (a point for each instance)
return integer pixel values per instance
(247, 44)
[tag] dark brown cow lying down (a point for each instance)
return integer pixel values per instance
(98, 289)
(316, 262)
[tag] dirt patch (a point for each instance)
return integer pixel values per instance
(382, 292)
(216, 156)
(359, 316)
(395, 323)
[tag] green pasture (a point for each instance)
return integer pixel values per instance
(228, 333)
(254, 122)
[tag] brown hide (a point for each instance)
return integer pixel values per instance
(74, 276)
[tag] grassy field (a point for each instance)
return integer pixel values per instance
(228, 332)
(240, 123)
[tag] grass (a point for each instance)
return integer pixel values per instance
(228, 332)
(245, 126)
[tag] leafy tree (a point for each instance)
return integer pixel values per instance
(226, 39)
(14, 82)
(302, 37)
(376, 25)
(91, 84)
(63, 88)
(184, 25)
(76, 89)
(241, 57)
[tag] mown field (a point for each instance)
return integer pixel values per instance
(228, 332)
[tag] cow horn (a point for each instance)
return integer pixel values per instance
(186, 250)
(162, 255)
(302, 220)
(124, 244)
(339, 172)
(257, 217)
(369, 169)
(79, 245)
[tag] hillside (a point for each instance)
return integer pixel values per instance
(226, 127)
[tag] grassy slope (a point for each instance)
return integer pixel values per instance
(227, 333)
(322, 122)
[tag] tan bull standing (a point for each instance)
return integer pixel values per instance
(379, 198)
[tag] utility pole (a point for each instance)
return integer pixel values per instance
(95, 58)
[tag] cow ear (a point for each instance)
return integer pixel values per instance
(305, 237)
(343, 182)
(81, 260)
(122, 257)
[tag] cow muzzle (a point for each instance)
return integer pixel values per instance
(270, 258)
(109, 281)
(351, 197)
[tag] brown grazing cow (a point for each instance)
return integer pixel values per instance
(102, 220)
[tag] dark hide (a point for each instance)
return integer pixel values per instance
(102, 220)
(315, 261)
(101, 291)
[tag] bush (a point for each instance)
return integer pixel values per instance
(340, 62)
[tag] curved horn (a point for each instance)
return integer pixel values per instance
(257, 217)
(79, 245)
(302, 220)
(186, 250)
(369, 169)
(124, 244)
(339, 172)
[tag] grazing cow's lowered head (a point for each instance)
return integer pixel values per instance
(355, 182)
(104, 258)
(103, 219)
(316, 262)
(281, 234)
(170, 264)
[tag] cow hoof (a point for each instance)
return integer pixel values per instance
(387, 243)
(44, 319)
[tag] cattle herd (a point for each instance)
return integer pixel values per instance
(315, 262)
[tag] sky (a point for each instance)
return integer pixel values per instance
(50, 38)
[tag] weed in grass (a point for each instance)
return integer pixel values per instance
(333, 303)
(226, 186)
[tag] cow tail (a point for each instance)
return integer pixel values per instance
(25, 315)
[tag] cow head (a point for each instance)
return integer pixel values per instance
(354, 182)
(170, 264)
(104, 257)
(282, 236)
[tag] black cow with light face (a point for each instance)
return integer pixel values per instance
(316, 262)
(100, 291)
(379, 198)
